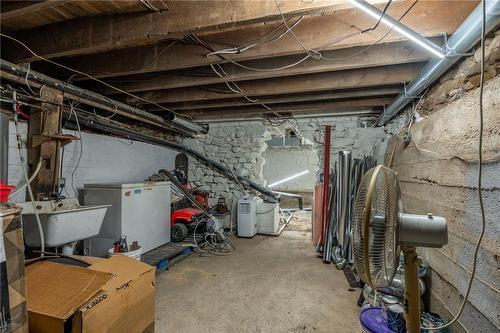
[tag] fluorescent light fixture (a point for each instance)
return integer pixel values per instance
(289, 178)
(399, 27)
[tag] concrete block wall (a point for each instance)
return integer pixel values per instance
(104, 159)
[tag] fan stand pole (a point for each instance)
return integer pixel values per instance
(412, 292)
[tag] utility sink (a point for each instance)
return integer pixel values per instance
(63, 221)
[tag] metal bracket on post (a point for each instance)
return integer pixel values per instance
(451, 52)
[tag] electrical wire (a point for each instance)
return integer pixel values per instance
(257, 42)
(288, 28)
(89, 76)
(479, 176)
(27, 179)
(235, 88)
(376, 42)
(72, 110)
(26, 79)
(318, 53)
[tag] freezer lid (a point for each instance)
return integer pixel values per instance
(120, 185)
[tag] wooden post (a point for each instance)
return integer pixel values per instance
(43, 131)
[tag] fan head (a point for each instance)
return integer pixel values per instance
(376, 227)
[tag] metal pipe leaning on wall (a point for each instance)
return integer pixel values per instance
(342, 208)
(330, 234)
(86, 121)
(172, 122)
(465, 37)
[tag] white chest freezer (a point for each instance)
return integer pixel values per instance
(140, 211)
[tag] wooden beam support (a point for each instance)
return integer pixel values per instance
(23, 15)
(344, 107)
(351, 79)
(100, 34)
(295, 98)
(378, 55)
(430, 18)
(19, 8)
(45, 123)
(364, 103)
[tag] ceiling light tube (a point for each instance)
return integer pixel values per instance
(400, 28)
(289, 178)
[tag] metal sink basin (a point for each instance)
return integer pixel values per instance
(63, 221)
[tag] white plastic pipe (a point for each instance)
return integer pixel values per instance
(35, 173)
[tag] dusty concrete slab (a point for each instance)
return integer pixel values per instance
(270, 284)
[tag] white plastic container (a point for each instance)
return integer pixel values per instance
(136, 254)
(247, 216)
(268, 218)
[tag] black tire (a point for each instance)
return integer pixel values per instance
(178, 232)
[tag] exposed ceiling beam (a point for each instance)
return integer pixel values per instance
(315, 108)
(104, 33)
(294, 98)
(23, 15)
(363, 114)
(350, 79)
(429, 18)
(378, 55)
(20, 8)
(333, 105)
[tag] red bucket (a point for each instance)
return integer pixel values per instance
(5, 191)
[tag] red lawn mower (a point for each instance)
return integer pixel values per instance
(185, 217)
(191, 212)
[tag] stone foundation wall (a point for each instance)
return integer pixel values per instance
(437, 169)
(238, 145)
(242, 147)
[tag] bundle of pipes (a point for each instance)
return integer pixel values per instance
(171, 121)
(344, 184)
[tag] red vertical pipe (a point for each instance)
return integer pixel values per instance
(326, 181)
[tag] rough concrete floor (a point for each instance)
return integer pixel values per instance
(269, 284)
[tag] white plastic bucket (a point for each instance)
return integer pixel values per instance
(136, 254)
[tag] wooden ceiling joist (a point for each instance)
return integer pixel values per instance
(356, 78)
(163, 56)
(21, 15)
(15, 9)
(282, 99)
(362, 112)
(300, 109)
(378, 55)
(429, 18)
(100, 34)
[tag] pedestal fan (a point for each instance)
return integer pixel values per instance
(381, 231)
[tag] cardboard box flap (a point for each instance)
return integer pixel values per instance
(60, 295)
(123, 268)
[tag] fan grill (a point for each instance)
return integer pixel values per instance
(380, 235)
